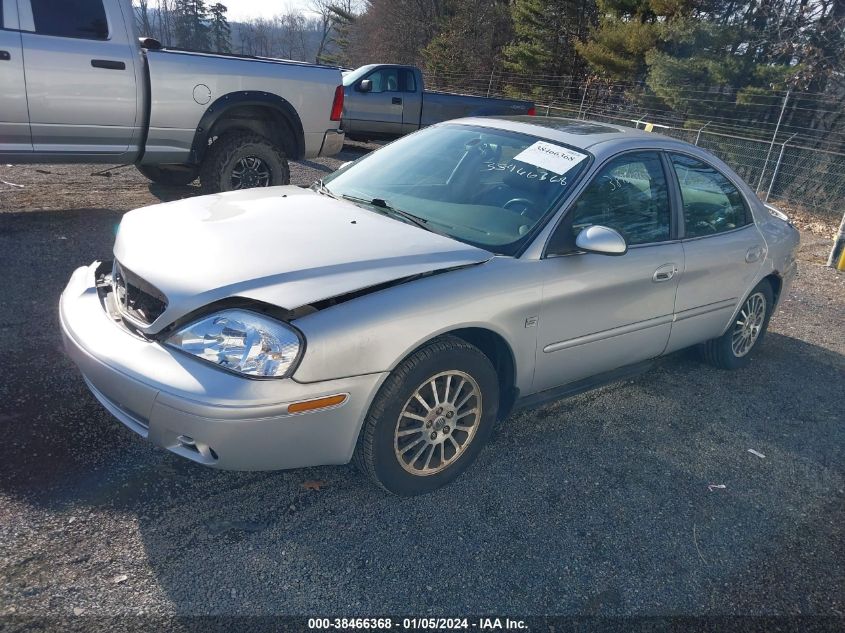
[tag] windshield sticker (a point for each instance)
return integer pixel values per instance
(549, 156)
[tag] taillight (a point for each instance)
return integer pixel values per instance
(337, 104)
(532, 111)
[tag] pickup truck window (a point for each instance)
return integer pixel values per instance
(486, 187)
(85, 19)
(409, 83)
(385, 80)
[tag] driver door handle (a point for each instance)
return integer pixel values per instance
(5, 56)
(664, 273)
(397, 100)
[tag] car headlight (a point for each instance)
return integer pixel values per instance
(241, 341)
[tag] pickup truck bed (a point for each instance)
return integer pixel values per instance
(81, 86)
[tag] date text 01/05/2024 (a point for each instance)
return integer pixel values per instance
(416, 624)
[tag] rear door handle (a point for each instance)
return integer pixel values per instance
(108, 64)
(397, 101)
(5, 56)
(664, 273)
(754, 254)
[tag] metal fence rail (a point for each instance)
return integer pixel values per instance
(788, 163)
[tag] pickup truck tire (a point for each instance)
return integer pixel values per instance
(169, 176)
(241, 160)
(430, 419)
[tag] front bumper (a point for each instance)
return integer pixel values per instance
(332, 142)
(202, 413)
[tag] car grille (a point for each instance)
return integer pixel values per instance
(138, 301)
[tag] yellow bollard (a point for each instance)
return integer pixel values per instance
(841, 264)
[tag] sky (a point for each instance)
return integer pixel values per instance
(240, 10)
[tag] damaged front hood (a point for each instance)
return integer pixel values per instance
(285, 246)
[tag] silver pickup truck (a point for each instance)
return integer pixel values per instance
(78, 85)
(385, 101)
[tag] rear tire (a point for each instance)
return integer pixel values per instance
(169, 176)
(733, 349)
(242, 160)
(414, 441)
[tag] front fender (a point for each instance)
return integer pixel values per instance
(374, 333)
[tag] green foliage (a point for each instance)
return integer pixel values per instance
(545, 35)
(191, 24)
(220, 31)
(673, 44)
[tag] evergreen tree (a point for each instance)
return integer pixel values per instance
(191, 24)
(220, 31)
(545, 33)
(673, 44)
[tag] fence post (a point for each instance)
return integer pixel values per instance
(774, 136)
(490, 83)
(698, 136)
(777, 167)
(583, 96)
(837, 253)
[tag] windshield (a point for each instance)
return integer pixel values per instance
(489, 188)
(354, 75)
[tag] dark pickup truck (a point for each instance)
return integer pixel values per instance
(385, 101)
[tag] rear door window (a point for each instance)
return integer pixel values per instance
(85, 19)
(712, 203)
(409, 84)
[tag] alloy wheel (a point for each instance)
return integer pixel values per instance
(438, 423)
(250, 172)
(749, 324)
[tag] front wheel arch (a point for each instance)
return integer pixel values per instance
(497, 350)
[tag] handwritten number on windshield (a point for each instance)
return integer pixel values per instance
(526, 173)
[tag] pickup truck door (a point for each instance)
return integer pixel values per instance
(377, 113)
(14, 118)
(80, 75)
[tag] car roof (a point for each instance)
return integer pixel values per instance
(573, 132)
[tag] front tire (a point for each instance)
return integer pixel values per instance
(430, 419)
(733, 349)
(243, 160)
(169, 176)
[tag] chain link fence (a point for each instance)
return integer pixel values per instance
(792, 163)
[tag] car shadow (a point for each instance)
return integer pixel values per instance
(168, 193)
(638, 498)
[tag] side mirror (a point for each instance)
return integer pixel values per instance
(365, 86)
(602, 240)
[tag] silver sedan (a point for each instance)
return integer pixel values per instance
(392, 313)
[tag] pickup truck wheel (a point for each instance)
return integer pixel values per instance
(243, 160)
(169, 176)
(733, 348)
(430, 419)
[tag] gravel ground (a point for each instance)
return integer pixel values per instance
(603, 504)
